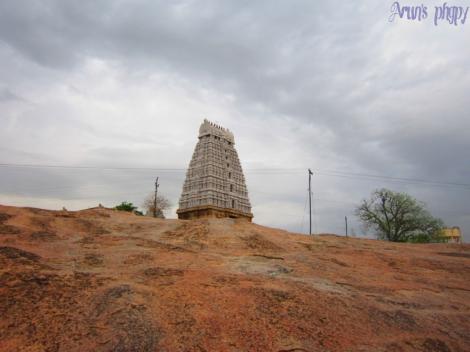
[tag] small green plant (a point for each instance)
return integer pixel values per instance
(126, 206)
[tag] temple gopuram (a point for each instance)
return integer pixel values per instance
(214, 186)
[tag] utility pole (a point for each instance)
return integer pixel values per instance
(155, 199)
(310, 173)
(346, 222)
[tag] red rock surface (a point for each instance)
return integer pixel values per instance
(102, 280)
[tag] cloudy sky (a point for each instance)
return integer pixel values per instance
(103, 96)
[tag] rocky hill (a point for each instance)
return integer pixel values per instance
(102, 280)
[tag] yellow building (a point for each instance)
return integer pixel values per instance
(453, 234)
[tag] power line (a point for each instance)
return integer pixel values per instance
(279, 171)
(48, 166)
(402, 180)
(108, 184)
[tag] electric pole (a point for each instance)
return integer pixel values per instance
(310, 173)
(346, 222)
(155, 199)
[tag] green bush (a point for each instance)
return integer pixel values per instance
(126, 206)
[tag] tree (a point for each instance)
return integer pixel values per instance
(162, 205)
(398, 217)
(126, 206)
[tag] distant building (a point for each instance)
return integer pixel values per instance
(214, 185)
(453, 234)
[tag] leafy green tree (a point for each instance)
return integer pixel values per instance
(126, 206)
(398, 217)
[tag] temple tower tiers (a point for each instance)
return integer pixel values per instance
(214, 185)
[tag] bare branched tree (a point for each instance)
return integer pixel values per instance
(162, 204)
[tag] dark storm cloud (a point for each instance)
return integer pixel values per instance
(437, 153)
(242, 46)
(335, 83)
(265, 52)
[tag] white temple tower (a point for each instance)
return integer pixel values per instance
(214, 185)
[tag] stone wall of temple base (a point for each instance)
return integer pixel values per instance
(212, 212)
